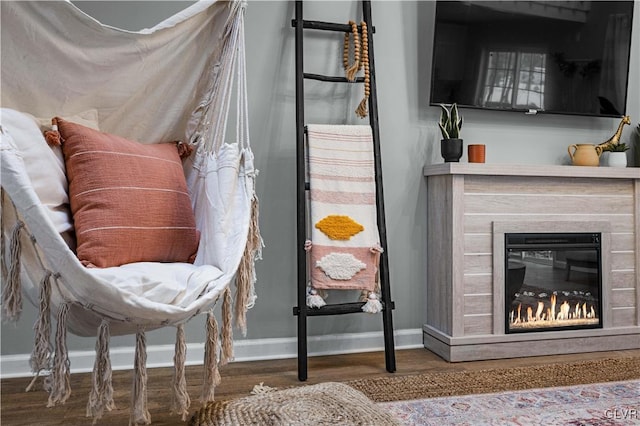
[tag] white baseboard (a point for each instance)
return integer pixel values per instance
(245, 350)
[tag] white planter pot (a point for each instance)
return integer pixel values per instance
(616, 159)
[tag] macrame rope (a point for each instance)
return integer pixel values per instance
(41, 354)
(101, 394)
(12, 295)
(215, 107)
(139, 412)
(180, 401)
(211, 373)
(246, 274)
(58, 383)
(226, 354)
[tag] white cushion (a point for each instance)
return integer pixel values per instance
(44, 164)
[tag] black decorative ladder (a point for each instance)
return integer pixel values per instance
(302, 311)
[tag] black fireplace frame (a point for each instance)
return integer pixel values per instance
(532, 241)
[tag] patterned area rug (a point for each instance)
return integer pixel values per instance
(604, 404)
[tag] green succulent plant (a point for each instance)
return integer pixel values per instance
(621, 147)
(450, 121)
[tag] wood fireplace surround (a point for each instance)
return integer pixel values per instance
(471, 207)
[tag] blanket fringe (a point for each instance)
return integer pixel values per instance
(373, 305)
(101, 394)
(41, 355)
(226, 354)
(211, 373)
(246, 275)
(12, 295)
(139, 412)
(58, 383)
(180, 401)
(315, 300)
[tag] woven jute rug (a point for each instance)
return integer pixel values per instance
(430, 385)
(321, 404)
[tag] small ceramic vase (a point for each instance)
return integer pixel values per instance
(617, 159)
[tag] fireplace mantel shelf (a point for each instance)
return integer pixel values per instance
(497, 169)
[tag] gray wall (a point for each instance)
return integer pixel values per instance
(409, 135)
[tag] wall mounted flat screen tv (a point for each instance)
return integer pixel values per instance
(563, 57)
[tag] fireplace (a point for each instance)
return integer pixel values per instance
(553, 281)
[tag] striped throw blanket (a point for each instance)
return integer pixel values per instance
(345, 243)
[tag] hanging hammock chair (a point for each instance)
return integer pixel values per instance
(173, 82)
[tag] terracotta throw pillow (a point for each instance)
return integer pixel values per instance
(129, 200)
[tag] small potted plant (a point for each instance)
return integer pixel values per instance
(450, 124)
(617, 156)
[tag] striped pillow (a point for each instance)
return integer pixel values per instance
(129, 200)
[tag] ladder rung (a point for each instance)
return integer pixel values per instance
(332, 79)
(336, 309)
(327, 26)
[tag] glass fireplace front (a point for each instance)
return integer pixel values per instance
(553, 281)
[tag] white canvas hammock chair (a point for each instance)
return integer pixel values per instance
(174, 81)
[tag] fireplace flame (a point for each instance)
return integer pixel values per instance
(553, 315)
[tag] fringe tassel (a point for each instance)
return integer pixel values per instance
(373, 305)
(41, 354)
(361, 110)
(246, 275)
(139, 412)
(211, 373)
(180, 401)
(184, 150)
(226, 354)
(59, 384)
(101, 395)
(53, 136)
(12, 296)
(315, 300)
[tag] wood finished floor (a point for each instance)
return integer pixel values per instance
(20, 408)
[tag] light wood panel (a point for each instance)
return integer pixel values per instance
(439, 252)
(622, 241)
(622, 279)
(623, 298)
(477, 243)
(520, 185)
(615, 207)
(480, 283)
(622, 317)
(478, 263)
(478, 304)
(478, 324)
(481, 223)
